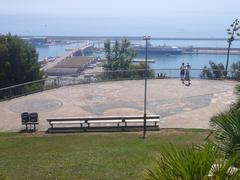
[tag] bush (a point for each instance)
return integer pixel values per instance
(215, 71)
(235, 74)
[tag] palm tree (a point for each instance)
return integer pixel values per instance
(192, 162)
(227, 132)
(226, 127)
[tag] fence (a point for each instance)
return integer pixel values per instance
(83, 78)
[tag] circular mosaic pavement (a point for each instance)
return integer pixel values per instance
(110, 86)
(36, 105)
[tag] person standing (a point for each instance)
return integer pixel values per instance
(187, 74)
(182, 72)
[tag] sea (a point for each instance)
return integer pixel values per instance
(197, 61)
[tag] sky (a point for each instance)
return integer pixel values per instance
(168, 18)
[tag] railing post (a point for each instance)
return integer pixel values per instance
(10, 92)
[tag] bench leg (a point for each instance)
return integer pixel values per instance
(26, 128)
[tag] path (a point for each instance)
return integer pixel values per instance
(179, 106)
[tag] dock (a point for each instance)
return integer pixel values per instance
(190, 50)
(209, 50)
(74, 52)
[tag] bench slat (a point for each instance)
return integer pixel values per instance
(102, 118)
(141, 120)
(67, 122)
(100, 121)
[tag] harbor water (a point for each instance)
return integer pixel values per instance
(169, 61)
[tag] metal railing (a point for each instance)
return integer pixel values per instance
(83, 78)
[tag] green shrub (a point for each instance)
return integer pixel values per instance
(192, 162)
(215, 71)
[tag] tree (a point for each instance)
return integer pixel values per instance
(118, 65)
(18, 61)
(119, 56)
(234, 27)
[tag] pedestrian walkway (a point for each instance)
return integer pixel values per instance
(179, 106)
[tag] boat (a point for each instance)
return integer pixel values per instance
(164, 49)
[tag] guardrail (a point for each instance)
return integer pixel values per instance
(83, 78)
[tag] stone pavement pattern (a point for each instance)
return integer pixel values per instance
(179, 106)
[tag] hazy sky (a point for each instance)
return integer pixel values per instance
(206, 18)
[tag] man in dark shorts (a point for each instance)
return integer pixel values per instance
(182, 72)
(187, 74)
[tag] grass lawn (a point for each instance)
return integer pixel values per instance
(86, 155)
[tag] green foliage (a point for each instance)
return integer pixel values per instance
(235, 67)
(18, 61)
(119, 56)
(192, 163)
(119, 64)
(34, 87)
(215, 71)
(226, 127)
(139, 70)
(188, 163)
(236, 105)
(2, 177)
(227, 132)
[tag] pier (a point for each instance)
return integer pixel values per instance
(199, 50)
(87, 47)
(209, 50)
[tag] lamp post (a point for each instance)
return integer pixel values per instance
(146, 38)
(231, 31)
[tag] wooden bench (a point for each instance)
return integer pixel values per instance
(118, 121)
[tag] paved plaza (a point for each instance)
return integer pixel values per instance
(178, 105)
